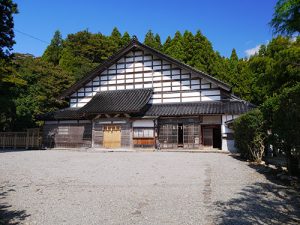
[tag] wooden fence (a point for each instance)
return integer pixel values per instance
(31, 139)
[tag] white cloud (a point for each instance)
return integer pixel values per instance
(252, 51)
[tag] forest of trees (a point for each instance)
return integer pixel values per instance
(30, 85)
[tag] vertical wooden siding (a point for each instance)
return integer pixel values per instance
(29, 140)
(67, 135)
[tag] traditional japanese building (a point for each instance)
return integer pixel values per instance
(142, 98)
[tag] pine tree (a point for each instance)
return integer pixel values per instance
(234, 57)
(167, 44)
(153, 41)
(204, 54)
(188, 45)
(125, 38)
(116, 38)
(176, 48)
(53, 52)
(158, 42)
(150, 39)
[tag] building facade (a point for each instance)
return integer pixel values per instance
(141, 98)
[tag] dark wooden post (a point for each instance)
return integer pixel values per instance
(15, 140)
(27, 139)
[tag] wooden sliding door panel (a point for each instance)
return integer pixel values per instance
(112, 137)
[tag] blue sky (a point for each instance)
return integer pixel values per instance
(239, 24)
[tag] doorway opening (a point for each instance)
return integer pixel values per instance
(180, 134)
(211, 136)
(217, 142)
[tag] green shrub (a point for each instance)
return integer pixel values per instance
(282, 117)
(249, 135)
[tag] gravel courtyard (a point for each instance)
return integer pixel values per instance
(69, 187)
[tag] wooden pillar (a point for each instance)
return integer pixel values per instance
(15, 140)
(27, 139)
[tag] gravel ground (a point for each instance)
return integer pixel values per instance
(69, 187)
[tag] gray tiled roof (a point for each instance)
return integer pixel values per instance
(120, 101)
(67, 113)
(189, 109)
(178, 109)
(135, 102)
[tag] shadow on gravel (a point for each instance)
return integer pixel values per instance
(260, 203)
(9, 216)
(269, 173)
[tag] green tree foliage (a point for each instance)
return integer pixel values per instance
(282, 115)
(153, 40)
(234, 57)
(52, 53)
(44, 83)
(204, 54)
(194, 50)
(249, 135)
(116, 38)
(125, 38)
(176, 48)
(286, 18)
(167, 44)
(7, 9)
(84, 50)
(274, 68)
(8, 76)
(188, 43)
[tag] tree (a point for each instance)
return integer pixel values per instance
(52, 53)
(204, 55)
(116, 38)
(167, 44)
(149, 39)
(125, 38)
(189, 47)
(175, 48)
(8, 77)
(7, 9)
(152, 40)
(158, 42)
(83, 51)
(234, 57)
(286, 18)
(44, 83)
(282, 114)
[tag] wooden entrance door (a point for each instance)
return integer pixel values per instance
(211, 136)
(207, 133)
(112, 137)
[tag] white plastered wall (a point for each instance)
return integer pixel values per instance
(227, 144)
